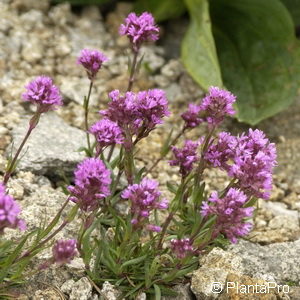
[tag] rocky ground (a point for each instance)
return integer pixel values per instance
(38, 39)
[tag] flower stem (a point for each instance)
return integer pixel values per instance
(111, 151)
(202, 166)
(28, 253)
(133, 69)
(173, 211)
(11, 166)
(164, 229)
(174, 141)
(68, 219)
(86, 114)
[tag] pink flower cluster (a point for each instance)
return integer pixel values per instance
(64, 251)
(185, 157)
(92, 180)
(144, 198)
(137, 112)
(254, 160)
(250, 158)
(9, 212)
(192, 116)
(92, 61)
(107, 133)
(181, 248)
(215, 106)
(42, 92)
(139, 29)
(230, 214)
(222, 151)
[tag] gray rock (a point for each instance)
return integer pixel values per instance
(33, 50)
(174, 93)
(214, 269)
(142, 296)
(75, 89)
(32, 19)
(280, 209)
(67, 286)
(279, 260)
(30, 4)
(173, 69)
(183, 293)
(153, 57)
(52, 147)
(61, 14)
(1, 106)
(76, 266)
(109, 291)
(81, 290)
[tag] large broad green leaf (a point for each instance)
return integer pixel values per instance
(294, 8)
(258, 53)
(198, 50)
(161, 9)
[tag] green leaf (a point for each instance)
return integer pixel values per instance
(294, 8)
(12, 257)
(134, 290)
(198, 50)
(259, 55)
(172, 188)
(157, 292)
(133, 261)
(161, 9)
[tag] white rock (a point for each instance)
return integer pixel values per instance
(109, 291)
(81, 290)
(33, 49)
(52, 147)
(67, 286)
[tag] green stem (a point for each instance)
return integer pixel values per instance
(28, 253)
(132, 71)
(111, 151)
(164, 229)
(86, 115)
(202, 165)
(11, 166)
(69, 218)
(172, 213)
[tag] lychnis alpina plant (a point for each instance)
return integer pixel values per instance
(131, 234)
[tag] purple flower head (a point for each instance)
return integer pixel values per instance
(92, 61)
(217, 104)
(64, 251)
(153, 228)
(192, 116)
(92, 180)
(139, 113)
(9, 211)
(152, 106)
(139, 29)
(230, 214)
(42, 92)
(185, 157)
(144, 198)
(107, 133)
(255, 158)
(121, 109)
(219, 153)
(181, 248)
